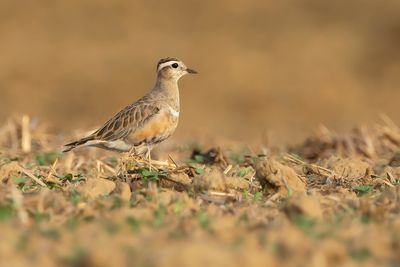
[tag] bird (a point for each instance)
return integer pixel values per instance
(153, 118)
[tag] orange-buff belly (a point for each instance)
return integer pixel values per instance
(156, 129)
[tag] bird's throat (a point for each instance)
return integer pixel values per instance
(169, 91)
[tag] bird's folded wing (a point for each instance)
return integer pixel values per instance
(126, 121)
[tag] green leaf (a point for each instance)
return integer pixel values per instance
(242, 173)
(199, 158)
(363, 189)
(200, 170)
(148, 173)
(68, 177)
(19, 180)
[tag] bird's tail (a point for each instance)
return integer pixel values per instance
(75, 144)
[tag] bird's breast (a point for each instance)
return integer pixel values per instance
(156, 129)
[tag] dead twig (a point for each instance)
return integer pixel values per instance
(30, 175)
(322, 171)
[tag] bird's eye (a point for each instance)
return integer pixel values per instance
(175, 65)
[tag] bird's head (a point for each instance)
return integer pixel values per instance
(172, 69)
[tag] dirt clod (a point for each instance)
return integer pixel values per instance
(275, 177)
(96, 187)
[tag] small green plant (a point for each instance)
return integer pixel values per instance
(6, 211)
(363, 189)
(66, 178)
(242, 173)
(257, 197)
(77, 257)
(304, 222)
(178, 206)
(72, 223)
(75, 197)
(360, 254)
(365, 219)
(118, 202)
(46, 158)
(191, 192)
(133, 223)
(51, 233)
(197, 159)
(151, 175)
(203, 220)
(159, 215)
(39, 216)
(237, 158)
(19, 180)
(245, 195)
(307, 225)
(200, 170)
(69, 177)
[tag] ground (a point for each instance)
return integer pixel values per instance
(332, 200)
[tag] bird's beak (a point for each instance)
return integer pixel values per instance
(191, 71)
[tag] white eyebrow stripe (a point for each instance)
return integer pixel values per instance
(166, 64)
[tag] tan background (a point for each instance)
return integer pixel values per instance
(277, 67)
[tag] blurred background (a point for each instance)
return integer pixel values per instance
(267, 68)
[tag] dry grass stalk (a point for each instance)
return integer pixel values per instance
(101, 165)
(313, 167)
(173, 161)
(30, 175)
(52, 172)
(228, 169)
(26, 139)
(139, 162)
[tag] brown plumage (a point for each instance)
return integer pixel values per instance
(146, 122)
